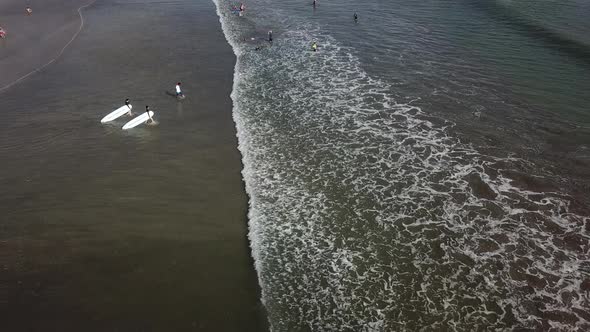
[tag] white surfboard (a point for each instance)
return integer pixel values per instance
(116, 113)
(138, 120)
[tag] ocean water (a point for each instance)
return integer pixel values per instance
(142, 230)
(427, 169)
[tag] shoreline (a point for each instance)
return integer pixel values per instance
(35, 41)
(144, 229)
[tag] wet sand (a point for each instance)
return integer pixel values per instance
(142, 230)
(34, 40)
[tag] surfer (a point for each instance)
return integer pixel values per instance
(270, 36)
(128, 104)
(179, 93)
(147, 110)
(314, 46)
(356, 18)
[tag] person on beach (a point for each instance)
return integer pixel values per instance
(314, 46)
(270, 36)
(179, 93)
(147, 110)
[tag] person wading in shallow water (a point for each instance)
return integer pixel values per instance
(128, 104)
(147, 110)
(2, 33)
(314, 46)
(179, 93)
(270, 36)
(28, 10)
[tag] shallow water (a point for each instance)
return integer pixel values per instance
(141, 230)
(427, 168)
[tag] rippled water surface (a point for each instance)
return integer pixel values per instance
(427, 168)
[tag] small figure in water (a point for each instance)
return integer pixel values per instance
(356, 18)
(147, 110)
(270, 36)
(179, 93)
(242, 8)
(128, 104)
(2, 33)
(28, 10)
(314, 3)
(314, 46)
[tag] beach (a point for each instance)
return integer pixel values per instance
(104, 229)
(34, 40)
(425, 168)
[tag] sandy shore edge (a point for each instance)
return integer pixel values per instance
(35, 41)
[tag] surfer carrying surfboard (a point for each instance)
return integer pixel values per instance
(128, 104)
(147, 111)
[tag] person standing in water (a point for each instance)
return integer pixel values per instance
(356, 18)
(270, 36)
(314, 46)
(28, 10)
(128, 104)
(242, 8)
(147, 111)
(314, 3)
(179, 93)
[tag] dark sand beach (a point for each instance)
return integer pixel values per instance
(34, 40)
(106, 230)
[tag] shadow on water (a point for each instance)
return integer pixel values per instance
(553, 39)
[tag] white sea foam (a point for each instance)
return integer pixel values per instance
(366, 215)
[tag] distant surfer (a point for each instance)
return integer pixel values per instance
(179, 93)
(356, 18)
(150, 120)
(314, 46)
(270, 36)
(128, 104)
